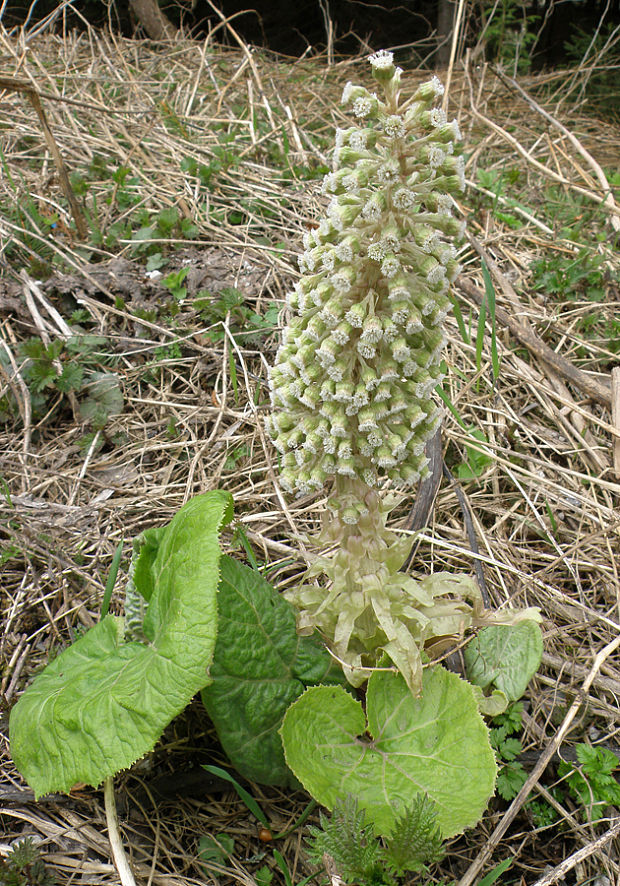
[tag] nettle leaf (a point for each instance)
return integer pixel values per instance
(103, 703)
(437, 744)
(505, 656)
(259, 668)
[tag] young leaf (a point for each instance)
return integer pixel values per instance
(437, 744)
(215, 849)
(349, 839)
(244, 795)
(506, 656)
(416, 839)
(70, 379)
(259, 668)
(104, 399)
(496, 873)
(511, 778)
(511, 748)
(103, 703)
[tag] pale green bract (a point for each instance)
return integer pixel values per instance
(103, 703)
(437, 744)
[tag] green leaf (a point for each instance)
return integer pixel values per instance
(70, 379)
(104, 398)
(511, 748)
(491, 705)
(216, 849)
(510, 780)
(505, 656)
(263, 876)
(437, 744)
(103, 703)
(349, 839)
(597, 760)
(511, 720)
(247, 798)
(496, 873)
(259, 668)
(416, 839)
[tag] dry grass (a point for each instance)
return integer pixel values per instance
(544, 506)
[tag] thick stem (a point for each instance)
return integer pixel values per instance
(118, 851)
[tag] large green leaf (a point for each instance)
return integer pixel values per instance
(437, 744)
(505, 656)
(259, 668)
(103, 703)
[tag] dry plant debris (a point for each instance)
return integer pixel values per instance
(205, 160)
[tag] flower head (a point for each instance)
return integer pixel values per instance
(353, 378)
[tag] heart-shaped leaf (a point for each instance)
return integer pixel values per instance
(437, 744)
(505, 656)
(103, 703)
(260, 667)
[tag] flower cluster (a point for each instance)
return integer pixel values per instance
(352, 381)
(370, 607)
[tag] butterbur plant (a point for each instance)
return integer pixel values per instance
(353, 380)
(408, 763)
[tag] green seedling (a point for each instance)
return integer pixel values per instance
(263, 876)
(592, 781)
(361, 857)
(490, 301)
(68, 367)
(217, 849)
(246, 326)
(494, 875)
(23, 866)
(244, 795)
(512, 776)
(111, 581)
(477, 461)
(175, 283)
(286, 873)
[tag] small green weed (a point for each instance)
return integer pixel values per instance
(571, 276)
(235, 456)
(175, 283)
(167, 224)
(496, 181)
(592, 782)
(224, 158)
(583, 277)
(494, 875)
(217, 849)
(512, 776)
(360, 857)
(543, 814)
(62, 368)
(23, 866)
(154, 368)
(245, 325)
(263, 876)
(476, 462)
(286, 873)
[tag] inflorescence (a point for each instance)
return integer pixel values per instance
(352, 382)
